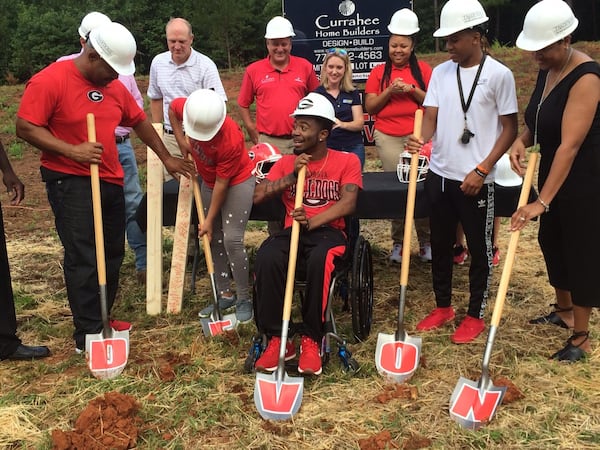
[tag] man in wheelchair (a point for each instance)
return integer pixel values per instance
(333, 179)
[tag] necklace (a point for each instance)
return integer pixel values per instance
(560, 74)
(545, 94)
(318, 173)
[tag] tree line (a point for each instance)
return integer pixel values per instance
(35, 33)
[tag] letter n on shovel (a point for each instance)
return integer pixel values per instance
(475, 405)
(399, 358)
(278, 397)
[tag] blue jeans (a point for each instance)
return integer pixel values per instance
(358, 150)
(71, 201)
(133, 196)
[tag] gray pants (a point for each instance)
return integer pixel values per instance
(227, 243)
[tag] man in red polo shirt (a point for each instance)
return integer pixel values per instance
(277, 83)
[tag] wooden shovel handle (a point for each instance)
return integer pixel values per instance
(291, 273)
(512, 245)
(410, 202)
(97, 206)
(200, 208)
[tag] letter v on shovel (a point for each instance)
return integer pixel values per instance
(397, 355)
(106, 352)
(474, 403)
(278, 396)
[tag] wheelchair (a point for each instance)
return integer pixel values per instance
(352, 282)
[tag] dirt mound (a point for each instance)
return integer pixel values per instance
(108, 422)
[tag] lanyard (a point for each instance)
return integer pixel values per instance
(465, 107)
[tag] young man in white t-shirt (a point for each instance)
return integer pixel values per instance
(471, 114)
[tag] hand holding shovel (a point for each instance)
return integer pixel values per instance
(217, 323)
(278, 396)
(107, 352)
(397, 355)
(472, 403)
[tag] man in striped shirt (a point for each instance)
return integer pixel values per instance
(177, 73)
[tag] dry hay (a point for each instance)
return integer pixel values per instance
(16, 426)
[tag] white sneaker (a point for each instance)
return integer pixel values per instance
(425, 253)
(396, 255)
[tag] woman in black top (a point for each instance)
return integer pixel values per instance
(564, 119)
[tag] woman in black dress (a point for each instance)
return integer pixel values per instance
(564, 119)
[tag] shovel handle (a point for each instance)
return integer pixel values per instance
(512, 245)
(97, 206)
(205, 242)
(291, 272)
(410, 202)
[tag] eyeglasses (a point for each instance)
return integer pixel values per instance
(338, 51)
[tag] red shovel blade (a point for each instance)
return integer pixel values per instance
(473, 406)
(397, 360)
(275, 399)
(216, 327)
(107, 357)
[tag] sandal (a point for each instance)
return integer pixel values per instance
(572, 353)
(553, 318)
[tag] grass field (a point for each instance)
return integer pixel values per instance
(192, 393)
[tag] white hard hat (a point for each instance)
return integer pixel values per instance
(546, 23)
(115, 45)
(404, 22)
(279, 27)
(458, 15)
(203, 114)
(315, 105)
(91, 21)
(505, 176)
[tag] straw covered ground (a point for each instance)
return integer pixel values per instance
(181, 390)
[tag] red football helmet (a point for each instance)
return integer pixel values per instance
(403, 169)
(264, 156)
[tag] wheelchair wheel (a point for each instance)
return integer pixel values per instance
(361, 292)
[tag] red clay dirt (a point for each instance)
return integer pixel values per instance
(109, 422)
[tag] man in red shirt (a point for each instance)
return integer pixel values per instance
(52, 117)
(277, 83)
(333, 179)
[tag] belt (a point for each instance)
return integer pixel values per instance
(282, 136)
(168, 131)
(121, 139)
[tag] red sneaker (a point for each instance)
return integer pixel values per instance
(468, 330)
(120, 325)
(460, 254)
(496, 257)
(270, 357)
(436, 318)
(310, 357)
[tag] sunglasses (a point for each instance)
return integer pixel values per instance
(338, 51)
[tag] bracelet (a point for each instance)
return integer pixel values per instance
(479, 172)
(544, 204)
(483, 170)
(295, 174)
(412, 88)
(307, 226)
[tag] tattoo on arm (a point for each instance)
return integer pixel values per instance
(350, 187)
(276, 187)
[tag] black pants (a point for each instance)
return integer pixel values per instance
(449, 206)
(8, 319)
(317, 250)
(71, 202)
